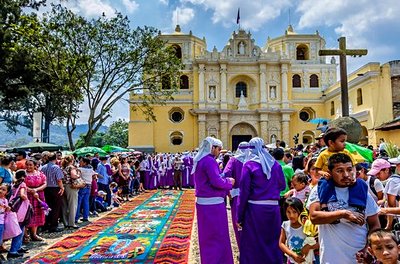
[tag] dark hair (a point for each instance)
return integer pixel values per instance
(338, 158)
(278, 153)
(20, 177)
(301, 178)
(288, 155)
(282, 144)
(310, 163)
(295, 203)
(382, 233)
(52, 156)
(22, 153)
(333, 134)
(85, 160)
(298, 162)
(6, 160)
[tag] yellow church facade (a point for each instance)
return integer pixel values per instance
(245, 90)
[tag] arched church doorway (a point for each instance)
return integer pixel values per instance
(241, 132)
(364, 136)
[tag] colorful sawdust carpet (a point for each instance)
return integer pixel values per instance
(152, 228)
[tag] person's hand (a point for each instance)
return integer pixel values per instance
(232, 180)
(305, 249)
(298, 259)
(239, 226)
(36, 195)
(363, 256)
(355, 217)
(383, 211)
(325, 174)
(61, 191)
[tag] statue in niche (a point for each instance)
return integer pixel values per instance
(333, 60)
(241, 48)
(254, 52)
(242, 102)
(211, 93)
(272, 92)
(229, 52)
(273, 138)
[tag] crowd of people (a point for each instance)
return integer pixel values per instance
(61, 192)
(318, 203)
(315, 204)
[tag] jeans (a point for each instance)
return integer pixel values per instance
(1, 233)
(16, 242)
(105, 188)
(83, 203)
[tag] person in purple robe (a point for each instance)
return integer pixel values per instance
(212, 219)
(234, 169)
(186, 169)
(258, 211)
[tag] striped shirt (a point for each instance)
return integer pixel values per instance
(53, 173)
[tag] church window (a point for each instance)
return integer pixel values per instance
(314, 80)
(296, 81)
(184, 82)
(176, 115)
(332, 108)
(178, 51)
(306, 114)
(241, 87)
(176, 138)
(302, 52)
(359, 97)
(166, 82)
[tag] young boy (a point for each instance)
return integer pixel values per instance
(384, 247)
(335, 139)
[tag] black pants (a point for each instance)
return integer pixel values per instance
(177, 179)
(54, 200)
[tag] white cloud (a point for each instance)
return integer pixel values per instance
(164, 2)
(252, 15)
(94, 8)
(130, 6)
(182, 16)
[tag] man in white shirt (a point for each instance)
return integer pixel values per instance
(342, 229)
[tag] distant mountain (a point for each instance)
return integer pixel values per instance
(58, 135)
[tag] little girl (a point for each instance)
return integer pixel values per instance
(300, 190)
(292, 236)
(3, 209)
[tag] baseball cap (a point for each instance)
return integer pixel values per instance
(320, 136)
(378, 165)
(395, 160)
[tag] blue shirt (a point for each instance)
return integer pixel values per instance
(102, 170)
(5, 174)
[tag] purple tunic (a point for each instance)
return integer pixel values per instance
(233, 169)
(260, 223)
(188, 164)
(212, 220)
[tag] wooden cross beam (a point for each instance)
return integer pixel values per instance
(342, 52)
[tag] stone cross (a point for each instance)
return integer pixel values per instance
(342, 52)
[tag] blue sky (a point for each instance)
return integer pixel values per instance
(369, 24)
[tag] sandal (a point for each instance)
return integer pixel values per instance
(37, 238)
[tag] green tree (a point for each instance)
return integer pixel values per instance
(117, 61)
(96, 141)
(117, 134)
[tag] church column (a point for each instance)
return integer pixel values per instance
(263, 86)
(284, 85)
(201, 87)
(224, 130)
(223, 104)
(202, 127)
(264, 127)
(285, 128)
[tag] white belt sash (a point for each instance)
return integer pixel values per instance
(264, 202)
(209, 200)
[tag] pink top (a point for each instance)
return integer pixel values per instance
(3, 203)
(303, 194)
